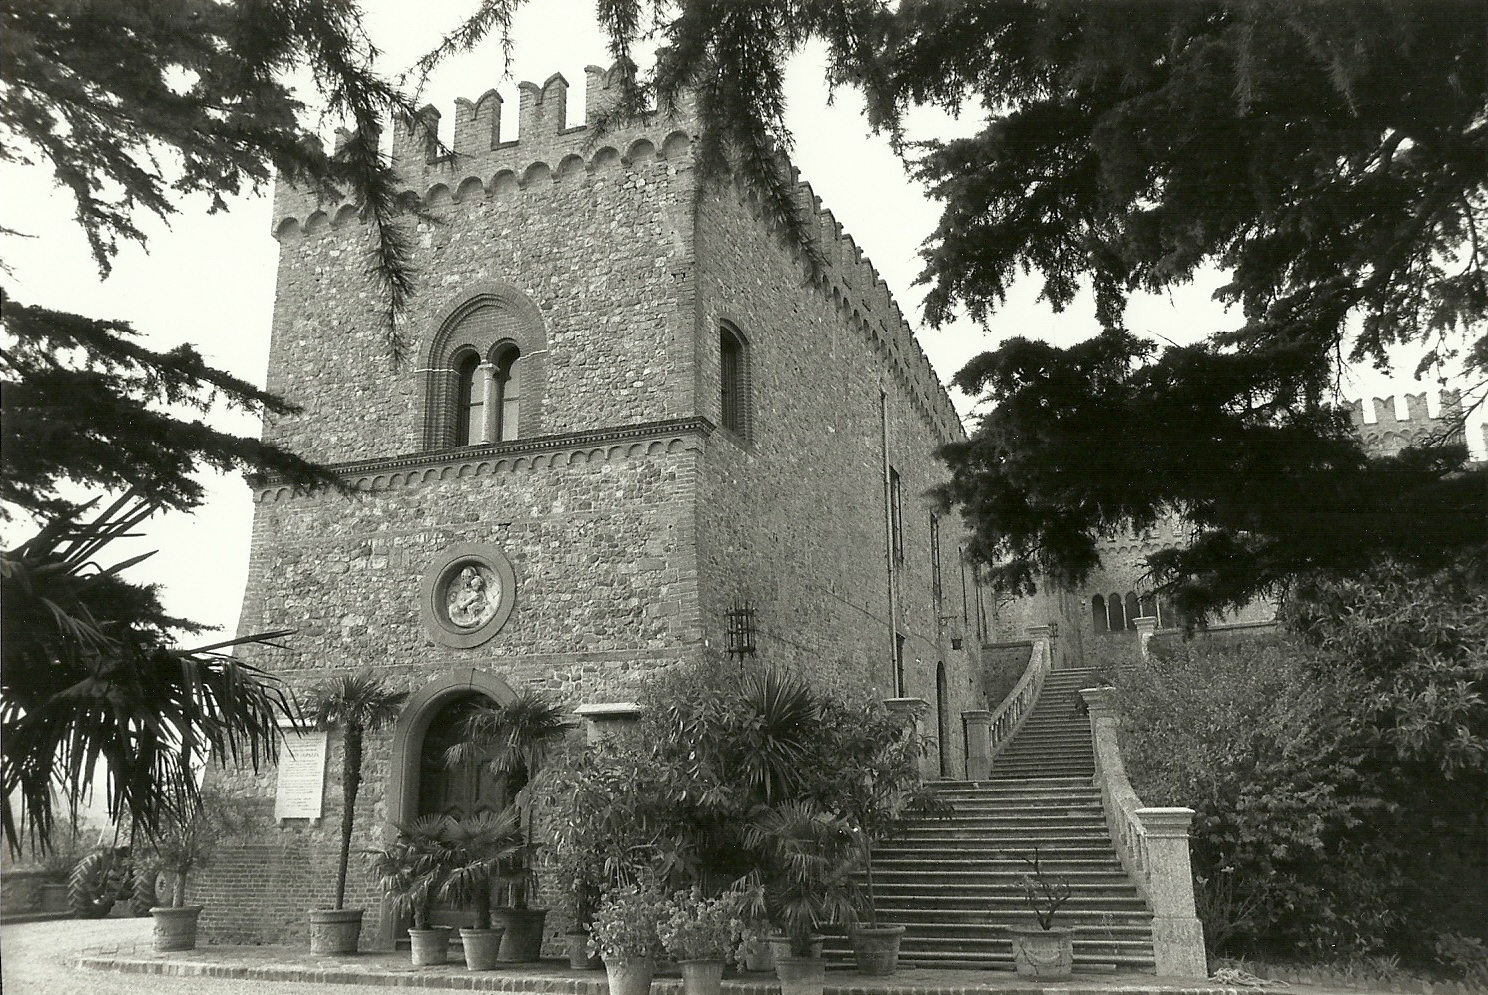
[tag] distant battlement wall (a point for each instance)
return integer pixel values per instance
(477, 164)
(1388, 434)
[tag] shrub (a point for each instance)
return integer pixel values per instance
(696, 928)
(1335, 771)
(625, 926)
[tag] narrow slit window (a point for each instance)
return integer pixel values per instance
(732, 405)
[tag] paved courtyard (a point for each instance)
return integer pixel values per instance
(108, 956)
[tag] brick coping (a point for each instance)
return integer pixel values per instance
(394, 971)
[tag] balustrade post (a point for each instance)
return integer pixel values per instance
(1177, 934)
(978, 744)
(1146, 626)
(1043, 637)
(918, 710)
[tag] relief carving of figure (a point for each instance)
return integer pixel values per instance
(471, 599)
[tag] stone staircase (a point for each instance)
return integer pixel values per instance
(953, 881)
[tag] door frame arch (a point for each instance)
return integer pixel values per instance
(413, 723)
(408, 744)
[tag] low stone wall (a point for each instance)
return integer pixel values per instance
(20, 891)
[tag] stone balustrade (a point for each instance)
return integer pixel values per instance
(987, 733)
(1151, 842)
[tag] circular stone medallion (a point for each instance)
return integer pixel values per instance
(466, 595)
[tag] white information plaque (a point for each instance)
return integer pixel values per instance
(302, 764)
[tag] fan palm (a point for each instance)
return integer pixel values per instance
(477, 848)
(807, 862)
(513, 739)
(356, 705)
(412, 870)
(91, 674)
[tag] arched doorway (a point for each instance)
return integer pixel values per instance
(943, 719)
(464, 790)
(419, 783)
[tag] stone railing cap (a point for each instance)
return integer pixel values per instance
(1166, 821)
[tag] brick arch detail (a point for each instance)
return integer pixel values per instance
(408, 733)
(517, 321)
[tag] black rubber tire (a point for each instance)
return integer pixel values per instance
(90, 893)
(151, 889)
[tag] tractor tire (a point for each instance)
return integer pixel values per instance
(90, 888)
(151, 889)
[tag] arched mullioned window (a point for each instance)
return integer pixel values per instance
(1120, 612)
(485, 371)
(733, 381)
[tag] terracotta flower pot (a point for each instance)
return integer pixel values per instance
(630, 977)
(430, 946)
(759, 956)
(780, 946)
(522, 942)
(701, 977)
(1047, 954)
(335, 931)
(577, 944)
(481, 947)
(877, 949)
(175, 928)
(800, 975)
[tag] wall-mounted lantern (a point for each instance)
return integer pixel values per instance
(740, 641)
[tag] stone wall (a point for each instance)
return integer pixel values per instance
(1003, 665)
(596, 236)
(792, 513)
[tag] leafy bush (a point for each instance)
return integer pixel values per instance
(625, 926)
(697, 928)
(748, 777)
(1330, 769)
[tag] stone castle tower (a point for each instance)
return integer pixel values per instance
(633, 430)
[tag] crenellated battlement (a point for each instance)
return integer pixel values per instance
(474, 152)
(853, 284)
(477, 164)
(1388, 434)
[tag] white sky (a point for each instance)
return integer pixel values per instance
(210, 280)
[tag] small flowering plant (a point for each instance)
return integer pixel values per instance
(696, 928)
(625, 926)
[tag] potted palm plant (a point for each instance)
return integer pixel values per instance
(808, 857)
(356, 706)
(1044, 951)
(513, 739)
(625, 932)
(411, 871)
(477, 846)
(880, 782)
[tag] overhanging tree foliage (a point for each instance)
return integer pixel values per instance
(1330, 160)
(131, 104)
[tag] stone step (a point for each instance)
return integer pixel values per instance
(1122, 911)
(917, 863)
(988, 888)
(971, 881)
(964, 853)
